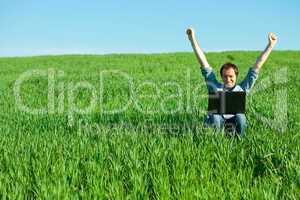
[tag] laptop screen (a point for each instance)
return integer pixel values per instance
(227, 102)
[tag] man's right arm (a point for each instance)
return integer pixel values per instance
(198, 51)
(207, 72)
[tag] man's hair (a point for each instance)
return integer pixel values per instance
(228, 66)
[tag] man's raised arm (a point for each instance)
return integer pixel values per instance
(264, 55)
(198, 51)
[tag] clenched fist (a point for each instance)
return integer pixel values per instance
(190, 32)
(272, 39)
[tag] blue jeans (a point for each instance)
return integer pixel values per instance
(238, 121)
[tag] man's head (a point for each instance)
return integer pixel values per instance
(229, 73)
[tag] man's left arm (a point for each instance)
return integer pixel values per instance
(252, 74)
(265, 54)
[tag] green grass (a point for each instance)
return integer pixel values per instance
(156, 148)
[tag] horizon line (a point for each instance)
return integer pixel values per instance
(129, 52)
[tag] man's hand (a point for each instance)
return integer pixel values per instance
(272, 39)
(191, 33)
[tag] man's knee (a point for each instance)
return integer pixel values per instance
(217, 120)
(241, 124)
(240, 119)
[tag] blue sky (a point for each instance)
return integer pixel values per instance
(36, 27)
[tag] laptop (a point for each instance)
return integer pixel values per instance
(227, 102)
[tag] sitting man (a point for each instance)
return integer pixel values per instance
(229, 73)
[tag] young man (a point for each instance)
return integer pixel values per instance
(229, 73)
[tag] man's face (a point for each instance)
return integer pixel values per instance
(229, 77)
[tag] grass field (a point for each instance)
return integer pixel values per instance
(130, 126)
